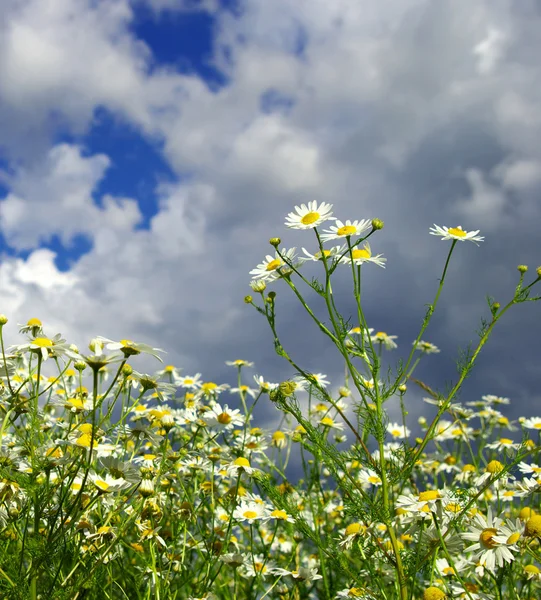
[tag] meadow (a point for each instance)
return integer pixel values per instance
(121, 484)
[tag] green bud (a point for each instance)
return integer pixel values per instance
(127, 370)
(275, 241)
(271, 296)
(3, 320)
(522, 268)
(402, 388)
(377, 224)
(79, 366)
(538, 271)
(248, 299)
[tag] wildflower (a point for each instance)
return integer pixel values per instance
(239, 363)
(387, 340)
(279, 440)
(275, 266)
(531, 572)
(33, 326)
(44, 346)
(345, 230)
(319, 378)
(244, 389)
(503, 444)
(362, 255)
(532, 423)
(483, 531)
(223, 418)
(250, 512)
(433, 593)
(258, 566)
(352, 532)
(108, 483)
(130, 348)
(369, 477)
(456, 233)
(240, 465)
(211, 390)
(280, 515)
(303, 574)
(398, 431)
(190, 382)
(331, 423)
(264, 386)
(355, 592)
(320, 254)
(533, 526)
(309, 216)
(426, 347)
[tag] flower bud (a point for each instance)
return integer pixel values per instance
(522, 268)
(276, 241)
(248, 299)
(79, 366)
(377, 224)
(538, 271)
(258, 285)
(402, 388)
(272, 295)
(127, 370)
(3, 320)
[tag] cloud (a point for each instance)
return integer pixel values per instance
(412, 111)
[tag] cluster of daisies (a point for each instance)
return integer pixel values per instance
(311, 216)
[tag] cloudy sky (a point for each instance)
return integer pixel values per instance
(150, 148)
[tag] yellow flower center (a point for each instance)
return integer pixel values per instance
(310, 218)
(34, 323)
(102, 485)
(346, 230)
(358, 253)
(354, 528)
(532, 569)
(209, 386)
(486, 537)
(84, 440)
(42, 342)
(273, 265)
(456, 231)
(374, 479)
(278, 436)
(355, 592)
(126, 342)
(494, 466)
(279, 514)
(533, 526)
(453, 507)
(250, 514)
(319, 255)
(526, 513)
(506, 441)
(537, 426)
(396, 432)
(242, 462)
(224, 418)
(169, 368)
(327, 421)
(429, 495)
(433, 593)
(514, 538)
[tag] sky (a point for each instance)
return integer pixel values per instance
(150, 149)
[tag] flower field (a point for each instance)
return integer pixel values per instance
(120, 484)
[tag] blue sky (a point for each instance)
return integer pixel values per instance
(150, 149)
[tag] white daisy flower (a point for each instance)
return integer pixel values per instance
(364, 254)
(250, 512)
(426, 347)
(488, 551)
(398, 431)
(344, 230)
(274, 267)
(223, 418)
(503, 444)
(327, 253)
(387, 340)
(190, 382)
(240, 465)
(532, 423)
(456, 233)
(309, 216)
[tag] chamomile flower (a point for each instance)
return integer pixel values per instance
(309, 216)
(318, 256)
(44, 346)
(363, 255)
(341, 230)
(532, 423)
(264, 386)
(190, 382)
(221, 418)
(426, 347)
(250, 512)
(240, 465)
(398, 431)
(239, 363)
(273, 267)
(488, 551)
(456, 233)
(387, 340)
(130, 348)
